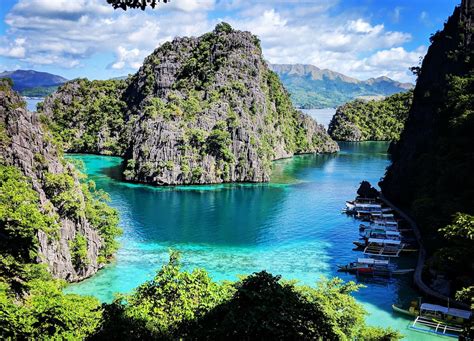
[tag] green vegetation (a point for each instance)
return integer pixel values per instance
(94, 121)
(21, 217)
(44, 312)
(78, 247)
(311, 87)
(40, 91)
(443, 193)
(184, 305)
(431, 173)
(371, 120)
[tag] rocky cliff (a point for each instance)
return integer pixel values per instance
(433, 117)
(72, 242)
(203, 110)
(374, 120)
(431, 174)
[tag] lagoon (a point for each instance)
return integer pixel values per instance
(292, 226)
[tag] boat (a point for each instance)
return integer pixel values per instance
(441, 320)
(382, 215)
(381, 234)
(383, 247)
(386, 222)
(412, 311)
(373, 267)
(363, 227)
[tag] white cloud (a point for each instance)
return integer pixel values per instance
(132, 58)
(16, 49)
(64, 33)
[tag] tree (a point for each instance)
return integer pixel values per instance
(183, 305)
(367, 191)
(142, 4)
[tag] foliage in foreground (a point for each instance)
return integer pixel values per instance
(188, 305)
(177, 304)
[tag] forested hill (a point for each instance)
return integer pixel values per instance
(312, 87)
(433, 163)
(34, 83)
(199, 110)
(375, 120)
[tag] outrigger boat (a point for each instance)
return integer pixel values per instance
(385, 222)
(382, 215)
(413, 310)
(363, 227)
(373, 267)
(441, 320)
(381, 234)
(383, 247)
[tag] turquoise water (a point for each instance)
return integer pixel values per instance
(292, 226)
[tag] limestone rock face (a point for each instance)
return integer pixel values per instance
(342, 129)
(202, 110)
(211, 111)
(29, 148)
(450, 55)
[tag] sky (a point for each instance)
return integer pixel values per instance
(87, 38)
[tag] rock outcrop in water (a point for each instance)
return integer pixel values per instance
(375, 120)
(200, 110)
(433, 163)
(73, 243)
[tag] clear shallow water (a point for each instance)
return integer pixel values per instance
(292, 226)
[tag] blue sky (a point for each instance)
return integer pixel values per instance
(87, 38)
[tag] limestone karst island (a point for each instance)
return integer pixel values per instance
(217, 169)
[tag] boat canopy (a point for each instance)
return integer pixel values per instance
(377, 206)
(465, 314)
(384, 241)
(372, 261)
(386, 232)
(434, 307)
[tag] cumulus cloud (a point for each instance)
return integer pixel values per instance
(15, 49)
(132, 58)
(65, 33)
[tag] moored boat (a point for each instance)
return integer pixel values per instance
(373, 267)
(441, 320)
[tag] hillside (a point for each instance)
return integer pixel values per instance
(433, 163)
(312, 87)
(199, 110)
(373, 120)
(33, 83)
(47, 215)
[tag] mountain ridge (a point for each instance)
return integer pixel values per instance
(312, 87)
(34, 83)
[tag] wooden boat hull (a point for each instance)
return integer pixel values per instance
(360, 245)
(372, 271)
(406, 312)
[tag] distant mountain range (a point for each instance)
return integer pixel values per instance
(312, 87)
(309, 86)
(33, 83)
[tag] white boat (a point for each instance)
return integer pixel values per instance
(382, 215)
(386, 222)
(373, 267)
(363, 227)
(381, 234)
(441, 320)
(383, 247)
